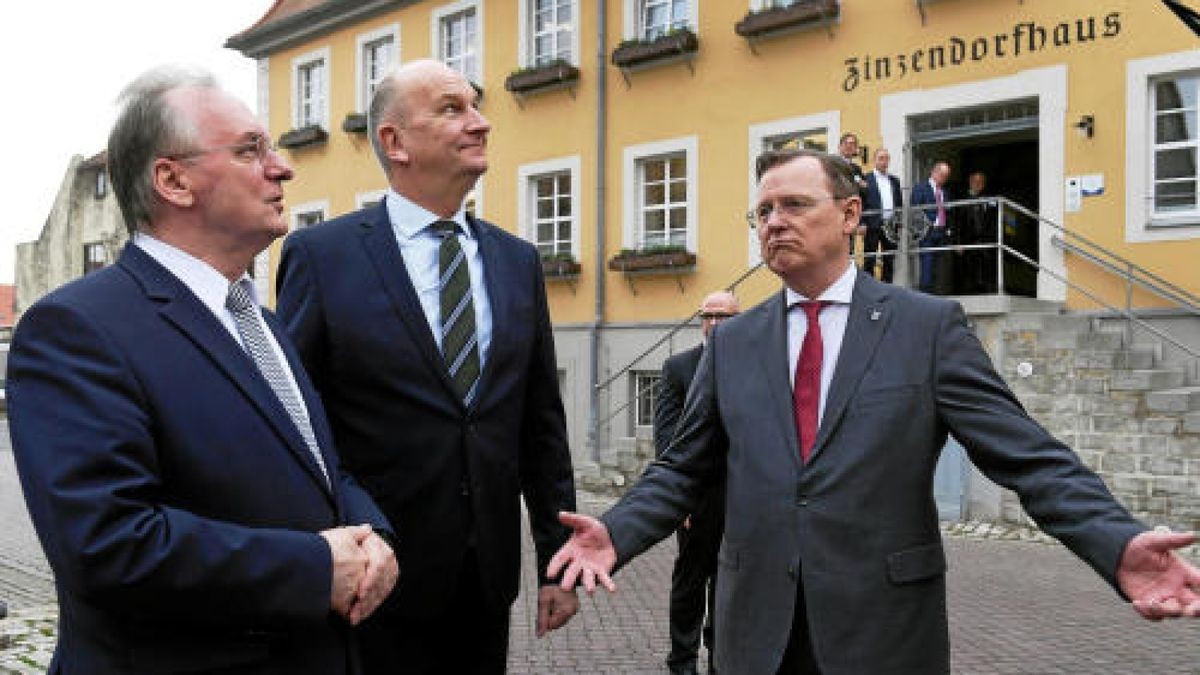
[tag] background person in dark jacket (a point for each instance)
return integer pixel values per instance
(693, 579)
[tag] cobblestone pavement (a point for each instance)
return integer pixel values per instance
(1016, 606)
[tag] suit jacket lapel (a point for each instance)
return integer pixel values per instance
(379, 242)
(868, 320)
(181, 308)
(774, 363)
(499, 297)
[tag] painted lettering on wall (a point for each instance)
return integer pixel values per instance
(1025, 38)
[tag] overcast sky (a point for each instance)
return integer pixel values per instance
(62, 65)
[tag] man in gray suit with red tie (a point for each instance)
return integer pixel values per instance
(832, 560)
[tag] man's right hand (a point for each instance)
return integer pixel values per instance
(588, 556)
(349, 564)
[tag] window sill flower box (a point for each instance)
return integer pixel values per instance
(555, 267)
(657, 259)
(553, 75)
(633, 53)
(798, 16)
(298, 138)
(355, 123)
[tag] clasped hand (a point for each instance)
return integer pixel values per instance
(364, 571)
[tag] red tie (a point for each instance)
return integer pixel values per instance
(806, 392)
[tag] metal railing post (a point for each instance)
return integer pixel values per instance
(1128, 305)
(999, 248)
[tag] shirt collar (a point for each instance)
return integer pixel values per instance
(409, 219)
(201, 278)
(839, 292)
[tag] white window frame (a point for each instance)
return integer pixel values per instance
(632, 202)
(435, 32)
(635, 379)
(830, 121)
(526, 210)
(320, 206)
(757, 5)
(361, 199)
(525, 38)
(632, 14)
(302, 61)
(1141, 225)
(392, 30)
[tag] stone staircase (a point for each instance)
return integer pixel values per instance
(618, 466)
(1133, 420)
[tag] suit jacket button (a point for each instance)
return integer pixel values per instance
(464, 488)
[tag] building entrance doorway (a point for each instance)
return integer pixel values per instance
(1001, 141)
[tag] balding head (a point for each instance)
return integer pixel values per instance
(389, 103)
(716, 307)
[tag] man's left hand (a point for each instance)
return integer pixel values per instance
(555, 608)
(1160, 583)
(377, 583)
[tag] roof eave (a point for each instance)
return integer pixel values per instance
(274, 36)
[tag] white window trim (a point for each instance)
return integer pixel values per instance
(435, 33)
(263, 91)
(360, 43)
(1049, 86)
(298, 210)
(526, 173)
(361, 199)
(635, 375)
(1140, 225)
(303, 60)
(632, 17)
(830, 121)
(525, 35)
(689, 146)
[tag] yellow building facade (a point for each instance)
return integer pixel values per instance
(640, 128)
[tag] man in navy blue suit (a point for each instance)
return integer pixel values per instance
(428, 334)
(174, 457)
(935, 273)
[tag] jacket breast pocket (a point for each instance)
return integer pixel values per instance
(916, 564)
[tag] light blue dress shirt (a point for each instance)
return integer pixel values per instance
(419, 247)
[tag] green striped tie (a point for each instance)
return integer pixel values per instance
(460, 347)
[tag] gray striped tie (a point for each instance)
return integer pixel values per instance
(460, 347)
(249, 324)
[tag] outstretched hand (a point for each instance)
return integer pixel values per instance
(1160, 583)
(588, 556)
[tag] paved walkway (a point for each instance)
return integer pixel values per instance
(1015, 607)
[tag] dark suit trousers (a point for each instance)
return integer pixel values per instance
(466, 638)
(694, 581)
(873, 240)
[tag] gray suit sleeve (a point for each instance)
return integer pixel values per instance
(673, 485)
(1063, 496)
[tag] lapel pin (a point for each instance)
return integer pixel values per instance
(875, 314)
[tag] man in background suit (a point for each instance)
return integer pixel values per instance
(175, 458)
(693, 579)
(848, 149)
(427, 332)
(936, 266)
(832, 559)
(883, 196)
(978, 224)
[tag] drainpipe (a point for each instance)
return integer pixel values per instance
(601, 169)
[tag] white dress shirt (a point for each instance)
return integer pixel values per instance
(833, 320)
(886, 203)
(419, 247)
(211, 287)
